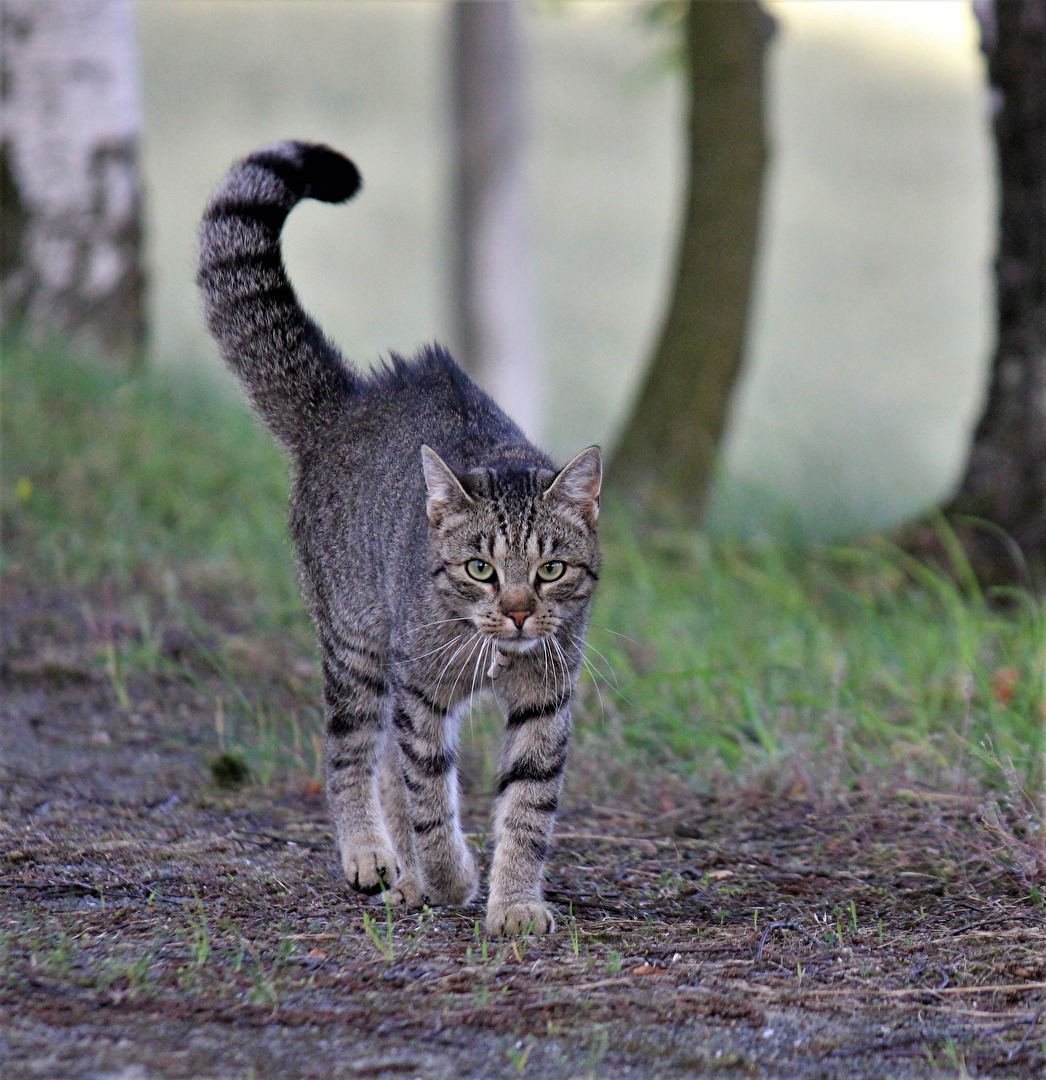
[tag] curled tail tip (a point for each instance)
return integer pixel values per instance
(329, 175)
(324, 173)
(308, 171)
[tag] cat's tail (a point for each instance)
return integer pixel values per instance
(296, 379)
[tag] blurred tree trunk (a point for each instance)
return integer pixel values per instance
(493, 309)
(70, 197)
(666, 456)
(1005, 480)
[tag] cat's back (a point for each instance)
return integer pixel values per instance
(431, 397)
(427, 399)
(365, 481)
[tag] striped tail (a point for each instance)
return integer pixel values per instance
(297, 381)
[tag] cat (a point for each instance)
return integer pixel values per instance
(440, 553)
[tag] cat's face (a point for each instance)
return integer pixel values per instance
(515, 550)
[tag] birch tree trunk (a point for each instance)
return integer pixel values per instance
(496, 340)
(1005, 480)
(70, 197)
(664, 461)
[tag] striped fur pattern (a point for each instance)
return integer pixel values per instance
(441, 555)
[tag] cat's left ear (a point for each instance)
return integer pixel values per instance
(579, 481)
(444, 488)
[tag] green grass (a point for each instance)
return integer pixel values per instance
(855, 655)
(102, 475)
(704, 656)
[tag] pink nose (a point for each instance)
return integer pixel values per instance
(518, 617)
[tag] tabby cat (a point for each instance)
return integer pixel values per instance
(440, 554)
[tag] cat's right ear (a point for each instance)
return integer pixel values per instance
(445, 493)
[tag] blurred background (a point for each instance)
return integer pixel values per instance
(870, 332)
(531, 176)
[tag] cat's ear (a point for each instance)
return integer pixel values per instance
(579, 481)
(444, 488)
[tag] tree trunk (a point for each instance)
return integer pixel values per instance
(70, 197)
(665, 458)
(1005, 481)
(493, 308)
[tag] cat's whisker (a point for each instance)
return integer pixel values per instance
(599, 693)
(607, 630)
(441, 622)
(549, 669)
(586, 646)
(562, 666)
(480, 640)
(478, 667)
(472, 657)
(424, 655)
(432, 652)
(470, 641)
(438, 649)
(556, 665)
(597, 677)
(550, 672)
(472, 694)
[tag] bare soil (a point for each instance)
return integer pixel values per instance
(154, 924)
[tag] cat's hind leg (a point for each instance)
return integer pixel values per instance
(356, 695)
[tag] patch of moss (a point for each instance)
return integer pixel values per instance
(229, 770)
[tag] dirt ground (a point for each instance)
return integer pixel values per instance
(156, 924)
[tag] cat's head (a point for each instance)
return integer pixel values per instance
(514, 548)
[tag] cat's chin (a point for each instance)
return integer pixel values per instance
(517, 645)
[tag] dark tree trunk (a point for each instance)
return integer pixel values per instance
(666, 456)
(1005, 481)
(70, 196)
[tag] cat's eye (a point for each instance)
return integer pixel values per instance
(551, 571)
(479, 570)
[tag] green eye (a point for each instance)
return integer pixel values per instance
(551, 571)
(479, 570)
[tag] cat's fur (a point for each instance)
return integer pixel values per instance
(410, 482)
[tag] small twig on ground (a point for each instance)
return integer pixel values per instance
(1033, 1024)
(786, 925)
(913, 991)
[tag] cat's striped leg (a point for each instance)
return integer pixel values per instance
(409, 890)
(427, 736)
(356, 704)
(530, 779)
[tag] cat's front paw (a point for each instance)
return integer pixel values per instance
(408, 893)
(520, 919)
(369, 867)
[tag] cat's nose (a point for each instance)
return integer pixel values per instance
(519, 617)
